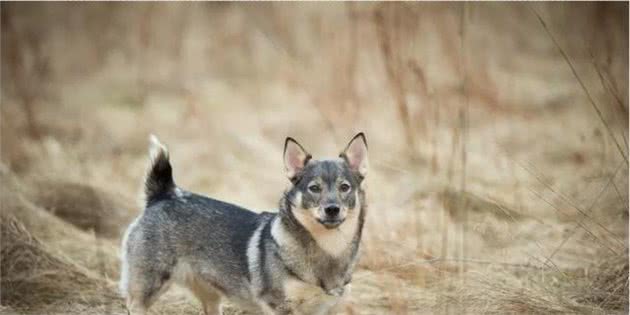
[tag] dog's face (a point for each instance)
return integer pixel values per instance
(326, 191)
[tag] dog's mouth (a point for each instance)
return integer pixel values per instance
(331, 223)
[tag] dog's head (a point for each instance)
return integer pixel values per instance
(325, 191)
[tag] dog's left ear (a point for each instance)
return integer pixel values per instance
(355, 154)
(295, 158)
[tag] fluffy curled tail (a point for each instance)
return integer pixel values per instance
(158, 183)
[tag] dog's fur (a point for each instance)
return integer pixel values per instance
(296, 261)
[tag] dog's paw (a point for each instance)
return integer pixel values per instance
(338, 292)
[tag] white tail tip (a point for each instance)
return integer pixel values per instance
(156, 147)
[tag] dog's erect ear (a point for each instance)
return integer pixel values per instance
(295, 157)
(355, 154)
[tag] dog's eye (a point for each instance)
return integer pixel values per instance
(315, 189)
(344, 187)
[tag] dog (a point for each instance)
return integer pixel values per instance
(298, 260)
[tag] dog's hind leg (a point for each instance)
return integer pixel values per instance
(135, 306)
(144, 287)
(210, 298)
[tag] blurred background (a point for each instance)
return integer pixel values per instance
(497, 136)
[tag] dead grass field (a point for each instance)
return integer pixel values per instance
(497, 135)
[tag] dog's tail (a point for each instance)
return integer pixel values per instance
(158, 183)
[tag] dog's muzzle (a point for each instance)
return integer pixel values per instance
(332, 217)
(330, 223)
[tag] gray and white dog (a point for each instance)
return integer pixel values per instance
(298, 260)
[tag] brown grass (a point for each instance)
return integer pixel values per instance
(33, 276)
(64, 237)
(602, 291)
(87, 207)
(607, 284)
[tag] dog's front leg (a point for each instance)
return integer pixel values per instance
(268, 310)
(274, 303)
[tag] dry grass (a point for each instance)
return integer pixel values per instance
(83, 248)
(602, 291)
(503, 293)
(33, 276)
(607, 284)
(85, 206)
(494, 186)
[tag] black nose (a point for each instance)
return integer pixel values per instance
(332, 211)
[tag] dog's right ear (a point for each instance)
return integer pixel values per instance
(355, 154)
(295, 158)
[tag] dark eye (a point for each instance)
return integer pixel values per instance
(344, 187)
(315, 189)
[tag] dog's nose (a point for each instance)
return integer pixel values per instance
(332, 210)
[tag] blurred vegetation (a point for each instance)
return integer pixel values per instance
(497, 132)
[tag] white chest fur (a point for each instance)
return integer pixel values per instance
(333, 241)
